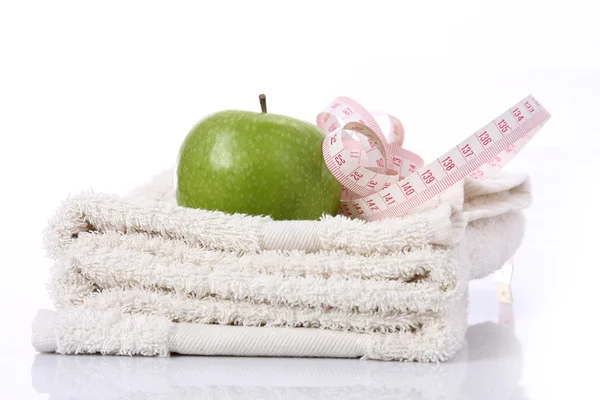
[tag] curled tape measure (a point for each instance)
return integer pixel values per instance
(383, 180)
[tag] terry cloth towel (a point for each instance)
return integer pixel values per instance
(138, 275)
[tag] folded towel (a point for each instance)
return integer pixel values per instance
(136, 274)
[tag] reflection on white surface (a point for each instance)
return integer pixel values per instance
(489, 367)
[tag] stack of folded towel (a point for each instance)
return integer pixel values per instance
(138, 275)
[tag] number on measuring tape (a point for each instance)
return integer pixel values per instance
(408, 189)
(383, 180)
(448, 164)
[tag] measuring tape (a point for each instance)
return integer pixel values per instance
(381, 179)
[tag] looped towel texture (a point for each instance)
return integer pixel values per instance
(138, 275)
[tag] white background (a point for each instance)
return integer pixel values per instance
(100, 94)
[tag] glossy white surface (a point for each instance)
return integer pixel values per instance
(491, 368)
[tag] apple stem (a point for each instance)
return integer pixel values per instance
(263, 103)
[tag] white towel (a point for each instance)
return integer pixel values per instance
(136, 274)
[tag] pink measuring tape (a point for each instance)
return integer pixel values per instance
(383, 180)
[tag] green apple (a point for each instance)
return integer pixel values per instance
(257, 164)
